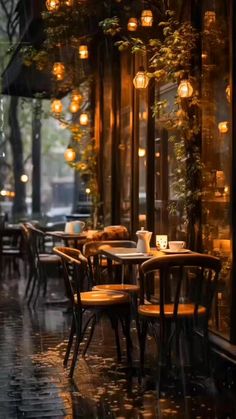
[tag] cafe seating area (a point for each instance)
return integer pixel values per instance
(123, 356)
(117, 209)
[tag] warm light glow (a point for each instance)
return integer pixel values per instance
(74, 107)
(83, 119)
(69, 3)
(209, 18)
(24, 178)
(185, 89)
(56, 106)
(83, 52)
(70, 154)
(146, 18)
(141, 79)
(87, 190)
(58, 70)
(228, 93)
(52, 5)
(161, 241)
(132, 24)
(141, 152)
(226, 189)
(3, 192)
(158, 154)
(223, 127)
(76, 97)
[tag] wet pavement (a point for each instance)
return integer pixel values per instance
(34, 384)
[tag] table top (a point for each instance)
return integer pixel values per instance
(63, 235)
(130, 255)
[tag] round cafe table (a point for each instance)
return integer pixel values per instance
(75, 240)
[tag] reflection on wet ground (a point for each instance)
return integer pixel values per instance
(33, 383)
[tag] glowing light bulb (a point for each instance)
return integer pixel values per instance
(141, 79)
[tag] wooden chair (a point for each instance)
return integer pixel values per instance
(11, 250)
(185, 289)
(98, 262)
(39, 261)
(113, 304)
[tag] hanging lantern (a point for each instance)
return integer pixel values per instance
(58, 70)
(76, 97)
(83, 52)
(52, 5)
(132, 24)
(83, 119)
(223, 127)
(74, 107)
(146, 18)
(69, 154)
(141, 79)
(228, 93)
(56, 106)
(185, 89)
(209, 18)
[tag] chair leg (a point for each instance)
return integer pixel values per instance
(128, 340)
(78, 330)
(69, 344)
(114, 325)
(35, 279)
(142, 343)
(30, 277)
(75, 355)
(90, 335)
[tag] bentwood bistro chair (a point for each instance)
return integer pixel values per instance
(181, 302)
(39, 261)
(115, 305)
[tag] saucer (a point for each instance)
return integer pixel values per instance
(171, 251)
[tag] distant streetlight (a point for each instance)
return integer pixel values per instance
(24, 178)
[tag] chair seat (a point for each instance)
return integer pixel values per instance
(184, 310)
(47, 258)
(103, 298)
(117, 287)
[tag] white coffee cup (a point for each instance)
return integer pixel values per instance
(176, 245)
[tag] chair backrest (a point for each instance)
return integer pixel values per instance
(74, 270)
(36, 238)
(186, 278)
(93, 248)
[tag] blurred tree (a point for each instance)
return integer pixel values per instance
(8, 33)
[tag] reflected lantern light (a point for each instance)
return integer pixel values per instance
(223, 127)
(146, 18)
(185, 89)
(141, 79)
(228, 93)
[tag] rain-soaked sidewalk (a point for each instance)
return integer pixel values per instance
(33, 383)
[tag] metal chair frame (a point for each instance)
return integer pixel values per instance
(75, 267)
(198, 295)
